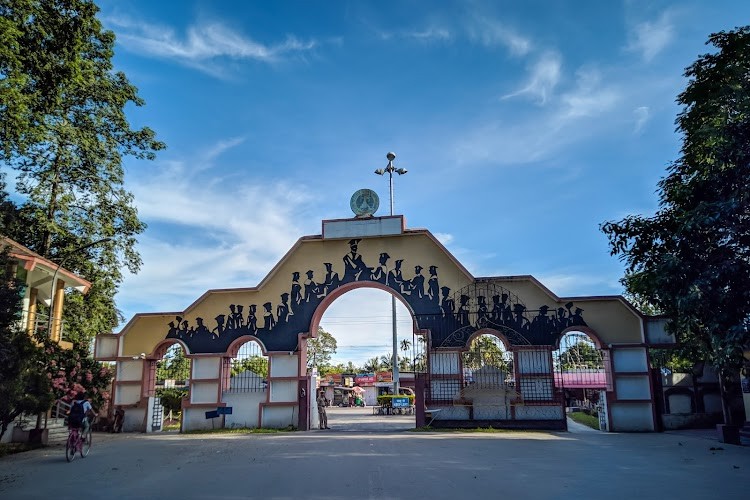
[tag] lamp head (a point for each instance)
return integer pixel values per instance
(380, 171)
(391, 156)
(401, 171)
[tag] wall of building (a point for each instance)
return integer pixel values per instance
(245, 408)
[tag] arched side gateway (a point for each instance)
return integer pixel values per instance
(448, 305)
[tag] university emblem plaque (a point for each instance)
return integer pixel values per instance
(364, 203)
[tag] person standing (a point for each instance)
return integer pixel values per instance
(322, 417)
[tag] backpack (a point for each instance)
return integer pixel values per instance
(75, 418)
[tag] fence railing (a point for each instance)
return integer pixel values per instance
(60, 410)
(41, 326)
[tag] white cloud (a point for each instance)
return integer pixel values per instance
(642, 115)
(649, 38)
(490, 33)
(430, 34)
(576, 112)
(544, 76)
(589, 97)
(202, 44)
(444, 238)
(216, 227)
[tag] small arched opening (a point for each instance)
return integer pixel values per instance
(169, 377)
(245, 383)
(581, 375)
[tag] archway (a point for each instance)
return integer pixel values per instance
(444, 300)
(171, 386)
(245, 383)
(356, 381)
(581, 374)
(489, 382)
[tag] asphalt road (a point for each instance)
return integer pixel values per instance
(385, 462)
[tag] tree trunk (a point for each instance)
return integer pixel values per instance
(723, 396)
(51, 207)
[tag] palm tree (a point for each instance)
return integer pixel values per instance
(405, 344)
(386, 362)
(372, 365)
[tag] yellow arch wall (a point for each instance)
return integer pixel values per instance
(610, 317)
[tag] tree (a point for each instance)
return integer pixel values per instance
(692, 258)
(256, 364)
(486, 350)
(320, 349)
(373, 365)
(63, 129)
(386, 362)
(581, 355)
(174, 365)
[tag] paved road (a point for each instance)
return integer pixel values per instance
(382, 463)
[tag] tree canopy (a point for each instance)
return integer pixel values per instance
(319, 351)
(691, 260)
(63, 129)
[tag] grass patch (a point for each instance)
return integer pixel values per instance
(585, 419)
(173, 426)
(243, 430)
(12, 448)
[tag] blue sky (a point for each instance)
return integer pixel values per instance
(523, 125)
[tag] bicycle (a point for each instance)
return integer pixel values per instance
(78, 441)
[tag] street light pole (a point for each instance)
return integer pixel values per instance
(54, 278)
(400, 171)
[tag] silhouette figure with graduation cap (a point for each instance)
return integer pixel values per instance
(353, 264)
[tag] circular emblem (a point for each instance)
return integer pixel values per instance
(364, 202)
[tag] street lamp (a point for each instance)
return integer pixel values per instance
(400, 171)
(54, 278)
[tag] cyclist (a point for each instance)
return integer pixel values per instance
(79, 413)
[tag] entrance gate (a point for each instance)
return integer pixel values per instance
(449, 308)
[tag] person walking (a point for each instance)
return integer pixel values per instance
(322, 417)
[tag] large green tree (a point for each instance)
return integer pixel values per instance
(319, 351)
(64, 130)
(692, 258)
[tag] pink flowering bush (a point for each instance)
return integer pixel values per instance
(73, 371)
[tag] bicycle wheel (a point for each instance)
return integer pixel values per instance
(86, 444)
(70, 448)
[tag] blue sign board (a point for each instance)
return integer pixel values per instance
(212, 414)
(225, 410)
(400, 402)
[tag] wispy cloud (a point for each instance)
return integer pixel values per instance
(444, 238)
(490, 32)
(642, 115)
(235, 230)
(589, 97)
(544, 75)
(573, 113)
(430, 34)
(649, 38)
(202, 44)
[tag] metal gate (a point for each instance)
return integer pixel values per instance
(487, 384)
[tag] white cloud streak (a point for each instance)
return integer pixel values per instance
(491, 33)
(202, 44)
(544, 76)
(642, 115)
(568, 116)
(230, 228)
(649, 38)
